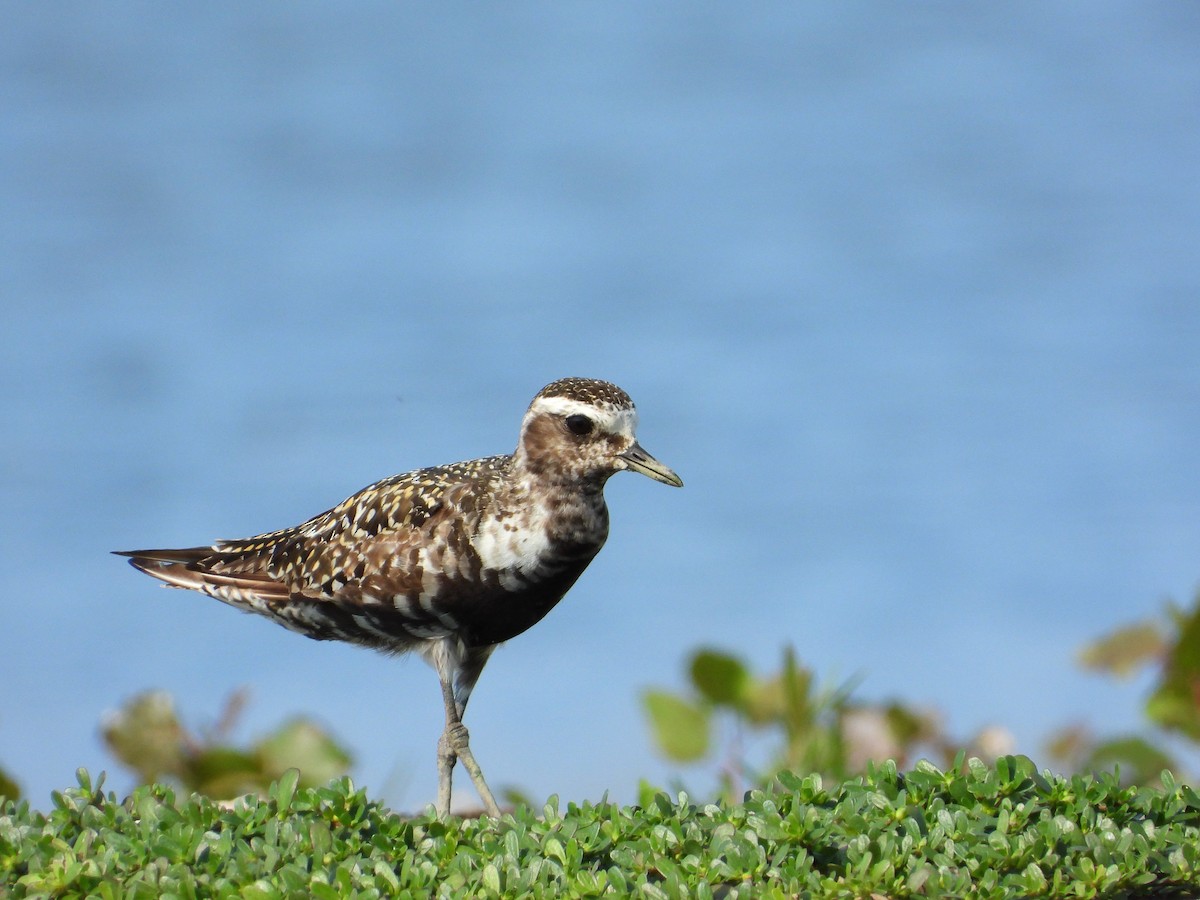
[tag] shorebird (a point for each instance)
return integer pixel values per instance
(449, 561)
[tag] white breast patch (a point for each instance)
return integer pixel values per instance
(521, 546)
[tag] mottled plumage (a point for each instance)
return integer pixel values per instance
(450, 560)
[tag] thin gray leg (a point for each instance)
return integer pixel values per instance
(455, 745)
(446, 759)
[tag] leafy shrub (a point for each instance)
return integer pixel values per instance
(983, 831)
(1170, 648)
(814, 728)
(8, 786)
(147, 736)
(817, 728)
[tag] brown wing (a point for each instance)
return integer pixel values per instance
(202, 569)
(372, 570)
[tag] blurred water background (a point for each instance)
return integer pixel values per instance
(907, 293)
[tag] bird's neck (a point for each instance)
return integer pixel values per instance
(537, 526)
(569, 511)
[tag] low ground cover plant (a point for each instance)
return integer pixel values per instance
(1005, 830)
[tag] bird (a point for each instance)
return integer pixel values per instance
(448, 561)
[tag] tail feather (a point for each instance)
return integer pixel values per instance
(200, 569)
(186, 555)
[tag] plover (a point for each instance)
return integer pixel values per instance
(449, 561)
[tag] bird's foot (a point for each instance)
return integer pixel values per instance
(453, 746)
(457, 739)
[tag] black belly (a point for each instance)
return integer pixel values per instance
(501, 615)
(484, 611)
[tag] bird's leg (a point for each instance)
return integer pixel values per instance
(454, 745)
(446, 757)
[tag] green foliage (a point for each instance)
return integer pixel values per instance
(721, 679)
(1175, 703)
(1172, 647)
(1138, 758)
(817, 729)
(681, 726)
(147, 737)
(1126, 650)
(976, 830)
(9, 787)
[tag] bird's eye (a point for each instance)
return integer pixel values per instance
(579, 425)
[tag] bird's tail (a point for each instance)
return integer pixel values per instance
(226, 576)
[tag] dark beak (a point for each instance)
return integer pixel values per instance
(638, 460)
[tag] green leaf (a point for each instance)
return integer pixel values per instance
(491, 878)
(681, 728)
(797, 685)
(1173, 708)
(145, 735)
(224, 772)
(910, 725)
(720, 678)
(8, 787)
(553, 849)
(1176, 702)
(285, 789)
(301, 744)
(1141, 762)
(647, 792)
(1125, 650)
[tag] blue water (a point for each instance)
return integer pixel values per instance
(908, 294)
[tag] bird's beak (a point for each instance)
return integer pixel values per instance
(638, 460)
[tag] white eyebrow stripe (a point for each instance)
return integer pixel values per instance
(613, 419)
(565, 406)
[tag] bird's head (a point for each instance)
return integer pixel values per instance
(581, 429)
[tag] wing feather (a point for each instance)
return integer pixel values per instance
(390, 559)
